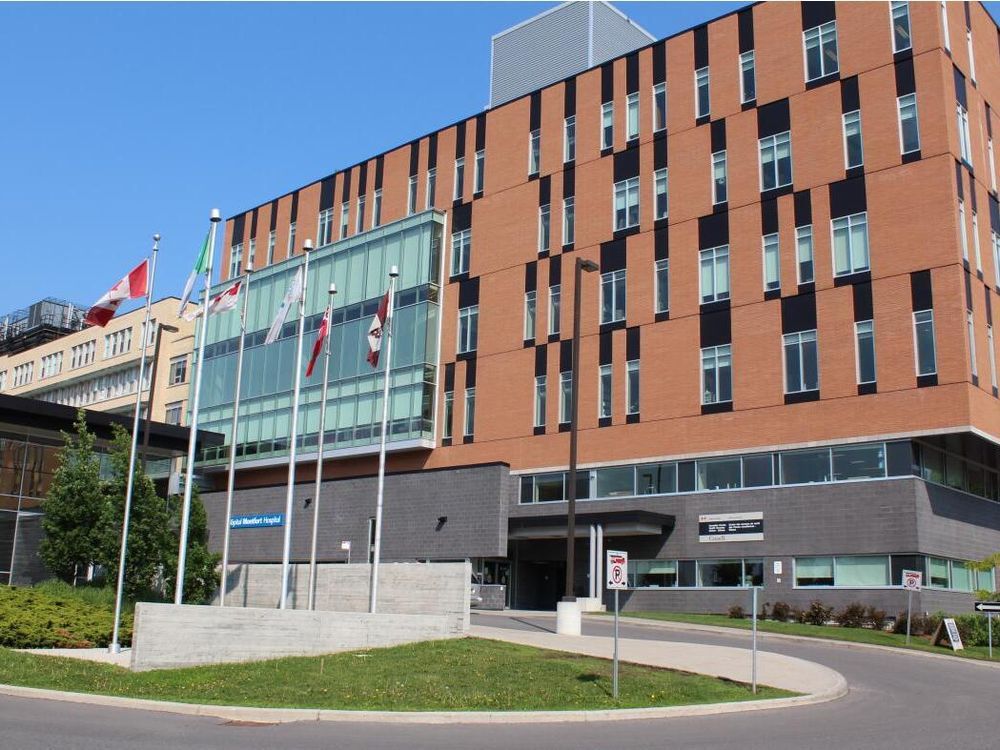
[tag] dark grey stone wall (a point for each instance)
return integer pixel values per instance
(474, 499)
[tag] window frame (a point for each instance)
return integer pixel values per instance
(605, 386)
(633, 386)
(569, 220)
(569, 139)
(431, 184)
(820, 31)
(530, 315)
(630, 188)
(715, 353)
(893, 6)
(771, 242)
(719, 157)
(632, 116)
(857, 351)
(411, 195)
(916, 340)
(971, 329)
(555, 309)
(773, 143)
(797, 339)
(745, 57)
(717, 253)
(460, 260)
(544, 228)
(702, 75)
(534, 151)
(849, 226)
(856, 114)
(911, 102)
(617, 282)
(607, 128)
(804, 231)
(458, 189)
(468, 319)
(479, 171)
(661, 176)
(540, 400)
(661, 266)
(469, 417)
(659, 92)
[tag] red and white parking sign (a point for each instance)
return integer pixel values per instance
(912, 580)
(617, 568)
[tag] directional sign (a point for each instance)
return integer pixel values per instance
(987, 606)
(912, 580)
(617, 568)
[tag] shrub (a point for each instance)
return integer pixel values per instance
(817, 614)
(852, 616)
(736, 612)
(921, 624)
(763, 611)
(37, 618)
(974, 630)
(781, 611)
(877, 618)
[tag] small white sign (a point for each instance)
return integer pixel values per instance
(912, 580)
(953, 635)
(346, 546)
(777, 567)
(617, 568)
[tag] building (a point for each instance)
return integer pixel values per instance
(787, 370)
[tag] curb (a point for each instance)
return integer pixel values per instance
(286, 715)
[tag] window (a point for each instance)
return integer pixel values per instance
(569, 221)
(716, 375)
(964, 142)
(173, 412)
(720, 180)
(607, 125)
(772, 263)
(963, 238)
(993, 356)
(177, 373)
(534, 148)
(715, 274)
(995, 242)
(461, 248)
(975, 241)
(117, 343)
(970, 325)
(544, 227)
(632, 116)
(468, 329)
(944, 25)
(324, 232)
(748, 77)
(431, 187)
(900, 13)
(993, 165)
(801, 362)
(804, 253)
(702, 101)
(291, 239)
(613, 296)
(853, 152)
(604, 392)
(82, 354)
(864, 332)
(449, 414)
(377, 208)
(252, 252)
(272, 240)
(850, 244)
(718, 474)
(539, 401)
(235, 259)
(555, 292)
(345, 211)
(470, 411)
(923, 333)
(776, 161)
(479, 171)
(659, 107)
(3, 379)
(632, 386)
(909, 127)
(360, 218)
(565, 396)
(569, 138)
(617, 481)
(51, 365)
(661, 200)
(23, 374)
(858, 462)
(626, 203)
(529, 315)
(662, 277)
(806, 466)
(411, 196)
(860, 571)
(972, 56)
(821, 51)
(813, 571)
(459, 179)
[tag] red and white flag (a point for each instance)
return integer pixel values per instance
(134, 285)
(321, 334)
(222, 302)
(375, 330)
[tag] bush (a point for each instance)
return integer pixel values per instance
(40, 618)
(877, 618)
(852, 616)
(921, 624)
(974, 630)
(763, 611)
(736, 612)
(781, 611)
(817, 614)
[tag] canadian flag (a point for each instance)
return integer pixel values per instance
(222, 302)
(321, 334)
(375, 330)
(132, 286)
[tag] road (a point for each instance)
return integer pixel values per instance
(896, 701)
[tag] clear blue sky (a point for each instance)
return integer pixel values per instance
(121, 120)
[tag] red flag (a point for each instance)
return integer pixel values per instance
(321, 334)
(132, 286)
(375, 330)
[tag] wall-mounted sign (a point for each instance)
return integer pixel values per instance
(257, 521)
(731, 527)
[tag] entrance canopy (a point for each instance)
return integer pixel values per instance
(615, 523)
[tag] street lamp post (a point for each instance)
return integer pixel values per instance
(580, 266)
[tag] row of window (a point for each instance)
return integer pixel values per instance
(117, 343)
(604, 393)
(93, 390)
(83, 354)
(469, 421)
(51, 365)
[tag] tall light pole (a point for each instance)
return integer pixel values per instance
(580, 266)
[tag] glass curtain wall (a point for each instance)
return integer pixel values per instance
(26, 470)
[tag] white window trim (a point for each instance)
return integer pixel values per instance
(993, 355)
(763, 252)
(708, 85)
(665, 263)
(760, 160)
(916, 346)
(632, 365)
(656, 88)
(602, 371)
(701, 362)
(971, 327)
(725, 173)
(805, 57)
(784, 362)
(666, 192)
(899, 121)
(753, 66)
(850, 246)
(630, 101)
(944, 25)
(857, 353)
(608, 107)
(571, 120)
(843, 123)
(892, 27)
(799, 230)
(530, 302)
(629, 185)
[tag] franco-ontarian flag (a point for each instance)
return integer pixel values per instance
(291, 296)
(221, 302)
(200, 267)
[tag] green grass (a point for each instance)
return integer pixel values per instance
(465, 674)
(827, 632)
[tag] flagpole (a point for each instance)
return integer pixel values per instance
(193, 435)
(387, 334)
(231, 480)
(319, 458)
(115, 646)
(307, 247)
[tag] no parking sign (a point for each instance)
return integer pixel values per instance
(617, 568)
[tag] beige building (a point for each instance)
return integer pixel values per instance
(98, 368)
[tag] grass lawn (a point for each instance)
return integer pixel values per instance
(463, 674)
(828, 632)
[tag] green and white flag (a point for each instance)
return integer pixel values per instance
(200, 267)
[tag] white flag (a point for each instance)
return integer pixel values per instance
(293, 295)
(222, 302)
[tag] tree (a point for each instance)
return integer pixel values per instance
(201, 577)
(74, 506)
(149, 536)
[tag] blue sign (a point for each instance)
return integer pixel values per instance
(257, 521)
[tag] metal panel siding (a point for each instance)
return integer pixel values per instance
(615, 35)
